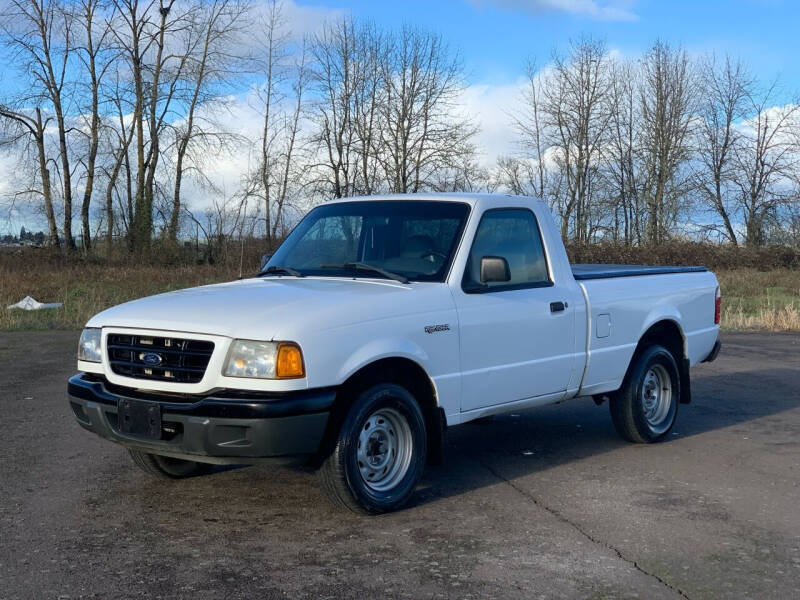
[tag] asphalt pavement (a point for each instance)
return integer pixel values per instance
(543, 503)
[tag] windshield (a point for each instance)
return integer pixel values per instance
(413, 239)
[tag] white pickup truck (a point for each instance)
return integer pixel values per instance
(376, 324)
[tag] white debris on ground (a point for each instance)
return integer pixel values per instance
(28, 303)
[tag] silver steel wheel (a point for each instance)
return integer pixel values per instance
(657, 398)
(385, 447)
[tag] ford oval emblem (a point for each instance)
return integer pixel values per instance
(151, 359)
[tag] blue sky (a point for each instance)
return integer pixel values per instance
(496, 36)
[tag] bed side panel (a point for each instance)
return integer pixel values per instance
(621, 310)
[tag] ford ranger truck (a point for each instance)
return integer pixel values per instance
(379, 322)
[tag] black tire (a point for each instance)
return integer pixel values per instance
(166, 467)
(344, 477)
(640, 409)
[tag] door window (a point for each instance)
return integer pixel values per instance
(512, 234)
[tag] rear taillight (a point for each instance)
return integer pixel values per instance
(717, 306)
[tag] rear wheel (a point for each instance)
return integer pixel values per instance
(379, 453)
(167, 467)
(644, 410)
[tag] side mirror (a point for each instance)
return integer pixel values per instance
(264, 260)
(494, 268)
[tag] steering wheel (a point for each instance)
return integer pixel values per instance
(441, 255)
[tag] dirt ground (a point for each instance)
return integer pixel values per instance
(546, 503)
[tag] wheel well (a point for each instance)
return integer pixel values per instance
(665, 333)
(668, 333)
(398, 370)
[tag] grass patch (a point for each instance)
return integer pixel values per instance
(752, 299)
(86, 289)
(760, 300)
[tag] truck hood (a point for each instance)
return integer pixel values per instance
(275, 308)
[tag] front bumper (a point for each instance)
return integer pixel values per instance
(222, 428)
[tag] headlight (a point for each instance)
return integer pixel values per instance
(89, 346)
(264, 360)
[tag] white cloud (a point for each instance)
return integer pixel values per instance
(303, 20)
(600, 10)
(6, 166)
(297, 20)
(492, 107)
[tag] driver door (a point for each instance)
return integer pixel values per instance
(517, 335)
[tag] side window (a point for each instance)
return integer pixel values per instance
(513, 234)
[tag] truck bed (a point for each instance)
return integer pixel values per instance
(600, 271)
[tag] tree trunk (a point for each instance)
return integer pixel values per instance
(174, 218)
(46, 188)
(94, 133)
(66, 176)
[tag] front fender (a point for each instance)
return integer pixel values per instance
(375, 350)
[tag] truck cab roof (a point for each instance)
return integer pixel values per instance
(471, 198)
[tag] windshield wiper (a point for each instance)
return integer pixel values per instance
(277, 270)
(359, 266)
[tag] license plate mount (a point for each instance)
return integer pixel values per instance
(139, 418)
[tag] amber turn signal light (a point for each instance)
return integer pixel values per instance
(290, 362)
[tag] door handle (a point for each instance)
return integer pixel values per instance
(557, 306)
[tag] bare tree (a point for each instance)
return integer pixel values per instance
(125, 96)
(465, 175)
(530, 127)
(158, 106)
(726, 88)
(386, 111)
(422, 133)
(30, 129)
(577, 107)
(566, 118)
(517, 176)
(667, 98)
(91, 53)
(289, 149)
(143, 33)
(369, 95)
(275, 50)
(39, 32)
(209, 37)
(121, 137)
(281, 100)
(131, 36)
(766, 161)
(336, 75)
(274, 71)
(621, 164)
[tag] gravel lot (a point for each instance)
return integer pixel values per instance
(546, 503)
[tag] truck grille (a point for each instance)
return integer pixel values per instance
(160, 358)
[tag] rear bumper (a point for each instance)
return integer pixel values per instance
(714, 352)
(222, 428)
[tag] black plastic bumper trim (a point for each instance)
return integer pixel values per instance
(239, 405)
(209, 428)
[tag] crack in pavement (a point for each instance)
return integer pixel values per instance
(539, 504)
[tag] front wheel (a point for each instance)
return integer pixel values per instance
(379, 453)
(644, 410)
